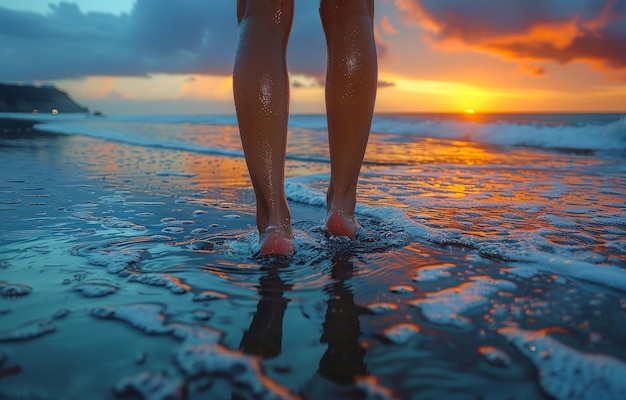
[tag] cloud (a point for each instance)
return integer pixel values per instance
(387, 26)
(156, 36)
(384, 84)
(531, 69)
(592, 31)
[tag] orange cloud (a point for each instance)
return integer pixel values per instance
(201, 87)
(103, 87)
(387, 26)
(531, 69)
(541, 30)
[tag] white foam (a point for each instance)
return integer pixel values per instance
(147, 317)
(448, 305)
(495, 356)
(117, 223)
(303, 193)
(114, 261)
(401, 289)
(522, 250)
(156, 279)
(566, 373)
(200, 353)
(95, 289)
(401, 333)
(433, 273)
(208, 295)
(151, 385)
(605, 275)
(27, 331)
(9, 290)
(381, 308)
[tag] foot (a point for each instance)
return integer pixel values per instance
(275, 242)
(339, 224)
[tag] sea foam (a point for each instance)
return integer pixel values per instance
(566, 373)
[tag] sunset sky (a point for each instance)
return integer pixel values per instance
(175, 56)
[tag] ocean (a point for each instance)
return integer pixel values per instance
(491, 262)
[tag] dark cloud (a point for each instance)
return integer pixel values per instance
(384, 84)
(564, 31)
(157, 36)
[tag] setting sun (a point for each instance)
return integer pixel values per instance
(469, 111)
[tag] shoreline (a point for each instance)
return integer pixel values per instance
(14, 125)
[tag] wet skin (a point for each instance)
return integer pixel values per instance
(261, 91)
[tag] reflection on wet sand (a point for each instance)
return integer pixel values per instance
(265, 334)
(343, 361)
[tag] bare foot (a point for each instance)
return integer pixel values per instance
(275, 242)
(339, 224)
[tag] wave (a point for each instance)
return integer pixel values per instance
(584, 132)
(529, 132)
(551, 131)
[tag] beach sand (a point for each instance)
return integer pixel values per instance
(130, 270)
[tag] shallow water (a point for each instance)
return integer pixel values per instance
(481, 271)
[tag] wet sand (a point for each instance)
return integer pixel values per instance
(130, 271)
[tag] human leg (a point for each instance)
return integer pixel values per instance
(261, 92)
(351, 79)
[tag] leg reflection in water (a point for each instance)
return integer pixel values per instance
(265, 334)
(344, 360)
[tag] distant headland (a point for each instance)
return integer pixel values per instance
(36, 99)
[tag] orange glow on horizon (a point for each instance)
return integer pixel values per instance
(206, 87)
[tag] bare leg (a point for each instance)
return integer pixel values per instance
(261, 91)
(350, 94)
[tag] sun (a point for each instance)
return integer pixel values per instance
(469, 111)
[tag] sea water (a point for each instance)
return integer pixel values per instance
(566, 170)
(491, 258)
